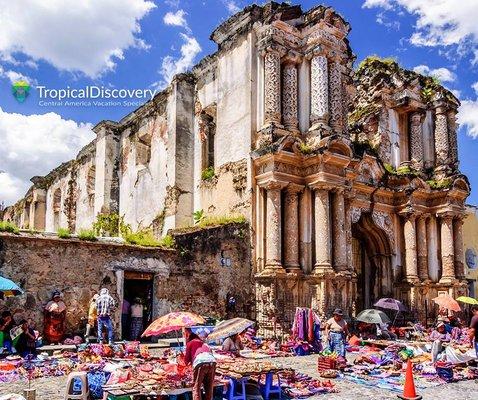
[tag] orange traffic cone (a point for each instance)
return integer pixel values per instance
(409, 392)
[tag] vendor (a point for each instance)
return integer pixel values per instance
(55, 315)
(6, 324)
(233, 344)
(336, 332)
(105, 305)
(92, 316)
(26, 343)
(384, 333)
(203, 362)
(473, 331)
(438, 336)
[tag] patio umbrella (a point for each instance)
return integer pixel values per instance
(9, 288)
(372, 316)
(390, 304)
(447, 302)
(467, 300)
(230, 327)
(173, 322)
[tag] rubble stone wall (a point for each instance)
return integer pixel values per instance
(189, 278)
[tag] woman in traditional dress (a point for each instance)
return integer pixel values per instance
(54, 316)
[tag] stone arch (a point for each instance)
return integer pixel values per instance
(372, 251)
(461, 184)
(338, 146)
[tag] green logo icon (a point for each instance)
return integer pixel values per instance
(20, 90)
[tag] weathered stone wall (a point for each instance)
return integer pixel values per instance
(190, 278)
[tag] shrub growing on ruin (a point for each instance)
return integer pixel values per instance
(87, 234)
(111, 224)
(6, 226)
(207, 173)
(63, 233)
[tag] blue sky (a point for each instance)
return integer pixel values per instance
(142, 43)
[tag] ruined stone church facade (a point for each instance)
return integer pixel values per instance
(349, 178)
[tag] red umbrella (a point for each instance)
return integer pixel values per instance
(173, 322)
(447, 302)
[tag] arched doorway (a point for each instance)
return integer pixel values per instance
(372, 262)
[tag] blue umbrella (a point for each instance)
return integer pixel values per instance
(9, 288)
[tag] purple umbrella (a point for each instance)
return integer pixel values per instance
(390, 304)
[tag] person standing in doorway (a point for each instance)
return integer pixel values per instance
(125, 321)
(92, 317)
(105, 305)
(137, 310)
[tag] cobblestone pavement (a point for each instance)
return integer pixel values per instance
(53, 388)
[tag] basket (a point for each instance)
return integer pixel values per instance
(324, 363)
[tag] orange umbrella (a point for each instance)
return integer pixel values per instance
(446, 301)
(173, 322)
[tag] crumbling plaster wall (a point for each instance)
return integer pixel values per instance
(190, 278)
(230, 86)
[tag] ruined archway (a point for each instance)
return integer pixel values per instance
(371, 261)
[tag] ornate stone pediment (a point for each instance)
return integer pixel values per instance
(369, 171)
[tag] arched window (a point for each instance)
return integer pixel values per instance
(90, 184)
(56, 208)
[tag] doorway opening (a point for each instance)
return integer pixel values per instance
(137, 289)
(372, 262)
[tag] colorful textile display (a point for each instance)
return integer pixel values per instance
(306, 328)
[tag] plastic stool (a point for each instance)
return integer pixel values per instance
(269, 388)
(85, 390)
(234, 384)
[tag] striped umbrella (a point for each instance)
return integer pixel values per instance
(9, 288)
(230, 327)
(173, 321)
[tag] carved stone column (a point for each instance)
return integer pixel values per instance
(447, 250)
(340, 238)
(319, 91)
(458, 247)
(272, 95)
(409, 231)
(291, 227)
(273, 226)
(336, 104)
(322, 231)
(416, 140)
(290, 96)
(422, 248)
(452, 138)
(442, 147)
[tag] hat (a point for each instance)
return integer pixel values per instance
(338, 311)
(440, 324)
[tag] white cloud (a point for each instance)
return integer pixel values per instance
(13, 76)
(72, 35)
(231, 6)
(176, 19)
(172, 66)
(34, 145)
(475, 87)
(468, 117)
(378, 3)
(172, 3)
(439, 22)
(442, 74)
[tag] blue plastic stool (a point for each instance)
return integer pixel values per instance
(238, 385)
(269, 388)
